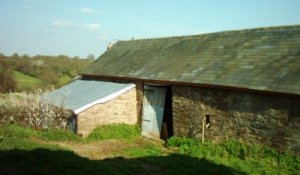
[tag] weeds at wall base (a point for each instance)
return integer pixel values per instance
(251, 158)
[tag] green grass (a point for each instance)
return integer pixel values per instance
(57, 135)
(16, 137)
(146, 150)
(105, 132)
(19, 153)
(249, 158)
(26, 82)
(114, 131)
(44, 161)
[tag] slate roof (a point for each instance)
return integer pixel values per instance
(82, 94)
(266, 59)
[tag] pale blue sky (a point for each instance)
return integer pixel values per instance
(81, 27)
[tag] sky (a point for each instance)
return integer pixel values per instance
(83, 27)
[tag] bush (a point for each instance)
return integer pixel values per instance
(180, 141)
(114, 131)
(31, 110)
(185, 145)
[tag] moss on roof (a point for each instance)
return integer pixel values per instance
(261, 59)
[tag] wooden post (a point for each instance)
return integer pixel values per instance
(203, 129)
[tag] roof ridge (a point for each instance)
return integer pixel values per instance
(265, 28)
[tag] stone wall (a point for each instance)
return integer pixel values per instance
(248, 117)
(139, 94)
(122, 109)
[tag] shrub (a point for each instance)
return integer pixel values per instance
(185, 145)
(114, 131)
(31, 110)
(180, 141)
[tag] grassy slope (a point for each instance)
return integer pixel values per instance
(20, 153)
(25, 81)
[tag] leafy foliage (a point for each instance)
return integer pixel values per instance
(7, 82)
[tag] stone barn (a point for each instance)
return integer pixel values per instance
(233, 85)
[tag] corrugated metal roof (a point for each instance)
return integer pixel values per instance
(82, 94)
(265, 59)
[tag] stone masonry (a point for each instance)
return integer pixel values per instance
(248, 117)
(122, 109)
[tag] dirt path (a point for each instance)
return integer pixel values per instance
(107, 148)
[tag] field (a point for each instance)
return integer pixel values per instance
(121, 150)
(27, 73)
(26, 82)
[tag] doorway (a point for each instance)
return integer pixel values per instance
(156, 112)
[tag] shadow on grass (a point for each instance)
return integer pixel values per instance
(44, 161)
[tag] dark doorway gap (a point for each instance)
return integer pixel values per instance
(168, 116)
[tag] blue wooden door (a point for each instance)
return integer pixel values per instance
(153, 110)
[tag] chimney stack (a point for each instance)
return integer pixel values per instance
(109, 45)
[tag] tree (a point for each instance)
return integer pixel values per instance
(7, 81)
(15, 56)
(90, 57)
(48, 77)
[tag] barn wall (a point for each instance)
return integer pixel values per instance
(139, 94)
(122, 109)
(270, 120)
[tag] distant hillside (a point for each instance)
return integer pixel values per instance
(30, 72)
(25, 81)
